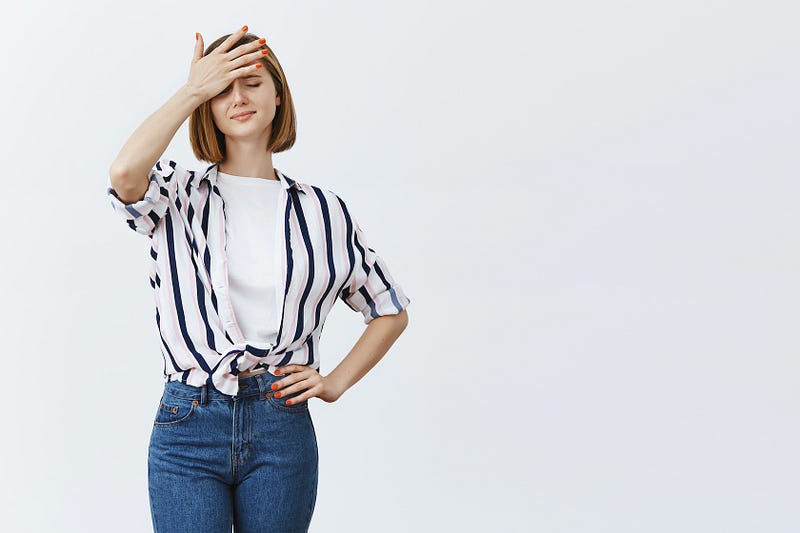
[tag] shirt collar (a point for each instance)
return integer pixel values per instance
(210, 174)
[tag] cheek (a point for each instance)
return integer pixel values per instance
(218, 116)
(217, 105)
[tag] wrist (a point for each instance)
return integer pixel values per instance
(338, 385)
(192, 95)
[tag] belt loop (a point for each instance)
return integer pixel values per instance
(203, 394)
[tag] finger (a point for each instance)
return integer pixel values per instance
(293, 383)
(287, 391)
(198, 46)
(301, 397)
(249, 69)
(245, 70)
(255, 55)
(285, 369)
(232, 38)
(247, 53)
(281, 383)
(260, 53)
(288, 388)
(296, 374)
(289, 379)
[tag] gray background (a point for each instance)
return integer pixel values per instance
(593, 207)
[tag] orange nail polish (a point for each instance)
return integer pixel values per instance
(265, 51)
(288, 402)
(244, 28)
(277, 371)
(196, 36)
(262, 40)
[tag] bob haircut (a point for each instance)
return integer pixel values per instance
(208, 142)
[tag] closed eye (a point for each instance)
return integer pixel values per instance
(249, 85)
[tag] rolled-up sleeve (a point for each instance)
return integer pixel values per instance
(371, 290)
(143, 216)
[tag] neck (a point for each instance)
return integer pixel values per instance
(247, 160)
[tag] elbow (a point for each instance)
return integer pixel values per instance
(118, 177)
(117, 173)
(401, 319)
(404, 315)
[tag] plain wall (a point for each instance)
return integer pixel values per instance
(595, 217)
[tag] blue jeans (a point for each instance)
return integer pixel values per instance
(216, 461)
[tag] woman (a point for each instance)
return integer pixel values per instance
(246, 264)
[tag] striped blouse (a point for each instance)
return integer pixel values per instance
(327, 257)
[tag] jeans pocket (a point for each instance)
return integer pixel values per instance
(280, 403)
(174, 410)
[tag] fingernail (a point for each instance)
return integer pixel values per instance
(273, 386)
(259, 65)
(244, 28)
(196, 36)
(288, 402)
(277, 370)
(262, 40)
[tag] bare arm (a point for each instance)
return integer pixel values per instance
(208, 75)
(370, 348)
(129, 171)
(380, 335)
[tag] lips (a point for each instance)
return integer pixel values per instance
(242, 114)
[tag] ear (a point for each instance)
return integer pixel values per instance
(278, 100)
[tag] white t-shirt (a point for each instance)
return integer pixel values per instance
(250, 206)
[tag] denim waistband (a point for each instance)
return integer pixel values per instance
(252, 386)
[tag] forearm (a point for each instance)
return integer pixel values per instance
(148, 142)
(378, 337)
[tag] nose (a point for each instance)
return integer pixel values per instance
(236, 91)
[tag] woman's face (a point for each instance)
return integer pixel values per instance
(254, 93)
